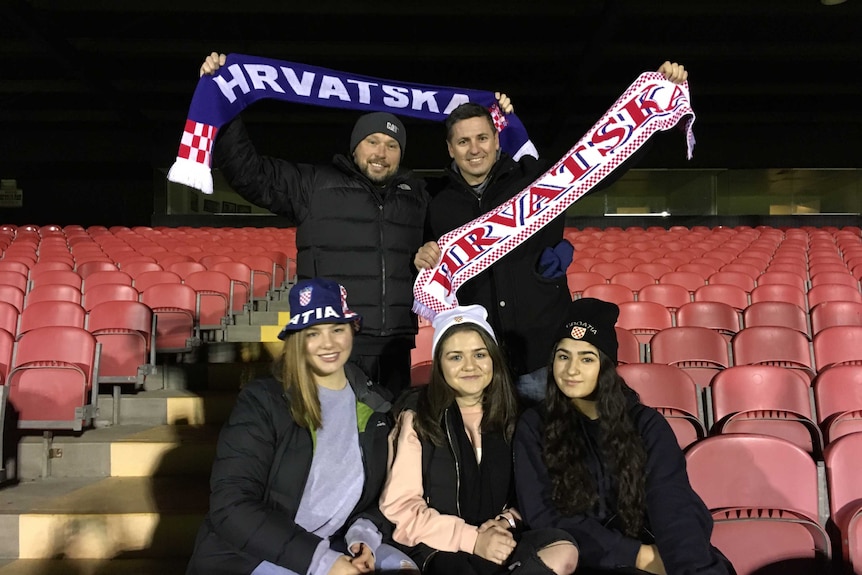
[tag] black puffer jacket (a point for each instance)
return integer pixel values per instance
(522, 305)
(259, 474)
(348, 229)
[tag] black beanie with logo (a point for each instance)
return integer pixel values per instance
(592, 320)
(382, 122)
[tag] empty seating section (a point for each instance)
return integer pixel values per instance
(748, 340)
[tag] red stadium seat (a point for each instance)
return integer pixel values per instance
(184, 268)
(780, 292)
(689, 280)
(774, 345)
(644, 318)
(614, 293)
(175, 307)
(837, 345)
(700, 351)
(608, 269)
(13, 296)
(633, 280)
(714, 315)
(732, 295)
(52, 383)
(768, 400)
(106, 277)
(832, 292)
(146, 279)
(670, 296)
(843, 459)
(776, 313)
(832, 313)
(213, 292)
(845, 278)
(838, 397)
(53, 292)
(742, 280)
(420, 357)
(48, 313)
(7, 343)
(578, 281)
(65, 277)
(673, 393)
(629, 347)
(109, 292)
(13, 278)
(788, 278)
(86, 269)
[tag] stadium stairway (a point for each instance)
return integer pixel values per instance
(127, 498)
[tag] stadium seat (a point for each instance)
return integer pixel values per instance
(689, 280)
(644, 318)
(240, 275)
(654, 269)
(817, 268)
(108, 292)
(786, 278)
(608, 269)
(845, 278)
(833, 313)
(774, 345)
(732, 295)
(52, 292)
(700, 351)
(768, 400)
(184, 268)
(614, 293)
(106, 277)
(700, 269)
(7, 343)
(125, 330)
(747, 269)
(9, 315)
(671, 296)
(13, 278)
(780, 292)
(48, 313)
(65, 277)
(633, 280)
(714, 315)
(136, 268)
(263, 274)
(739, 279)
(629, 347)
(832, 292)
(775, 313)
(174, 305)
(763, 494)
(146, 279)
(7, 265)
(673, 393)
(52, 383)
(86, 269)
(843, 460)
(212, 259)
(837, 345)
(838, 398)
(13, 296)
(578, 281)
(213, 293)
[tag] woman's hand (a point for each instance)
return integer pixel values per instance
(343, 566)
(494, 543)
(363, 559)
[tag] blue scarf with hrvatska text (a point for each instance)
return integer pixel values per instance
(244, 80)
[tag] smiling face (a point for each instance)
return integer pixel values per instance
(473, 144)
(466, 365)
(378, 156)
(327, 348)
(576, 373)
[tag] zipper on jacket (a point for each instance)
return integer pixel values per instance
(380, 225)
(457, 463)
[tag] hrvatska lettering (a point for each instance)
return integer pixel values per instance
(243, 78)
(651, 104)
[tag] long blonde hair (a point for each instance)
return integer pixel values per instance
(298, 382)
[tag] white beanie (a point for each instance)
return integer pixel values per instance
(474, 314)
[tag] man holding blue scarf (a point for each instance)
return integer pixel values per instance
(359, 220)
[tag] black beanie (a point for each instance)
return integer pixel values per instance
(382, 122)
(592, 320)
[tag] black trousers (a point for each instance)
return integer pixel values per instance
(390, 369)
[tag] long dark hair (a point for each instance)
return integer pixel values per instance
(565, 451)
(499, 407)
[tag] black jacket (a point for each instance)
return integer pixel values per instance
(523, 307)
(348, 229)
(675, 516)
(259, 474)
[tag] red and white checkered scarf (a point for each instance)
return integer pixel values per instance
(651, 104)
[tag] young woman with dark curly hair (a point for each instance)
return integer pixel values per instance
(594, 461)
(450, 490)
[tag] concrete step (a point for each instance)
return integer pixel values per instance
(113, 566)
(131, 450)
(79, 518)
(169, 406)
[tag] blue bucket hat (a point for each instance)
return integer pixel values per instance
(318, 300)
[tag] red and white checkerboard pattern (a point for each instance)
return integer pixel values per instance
(499, 118)
(197, 142)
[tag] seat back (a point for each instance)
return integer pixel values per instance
(838, 398)
(700, 351)
(150, 278)
(673, 393)
(833, 292)
(86, 269)
(175, 306)
(214, 292)
(714, 315)
(765, 399)
(109, 292)
(629, 347)
(843, 459)
(53, 292)
(753, 471)
(689, 280)
(844, 277)
(633, 280)
(773, 345)
(614, 293)
(644, 318)
(51, 313)
(783, 278)
(671, 296)
(185, 268)
(833, 313)
(578, 281)
(125, 331)
(13, 278)
(739, 279)
(240, 275)
(840, 344)
(66, 277)
(732, 295)
(779, 313)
